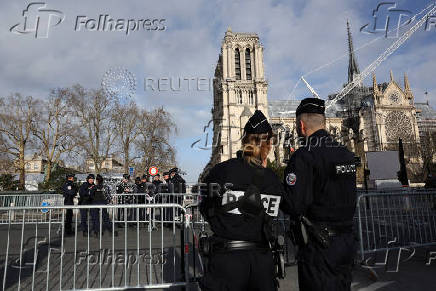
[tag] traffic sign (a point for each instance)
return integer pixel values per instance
(44, 203)
(131, 171)
(153, 171)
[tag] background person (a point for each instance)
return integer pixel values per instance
(69, 190)
(86, 192)
(101, 196)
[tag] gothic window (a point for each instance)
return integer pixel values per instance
(398, 125)
(239, 97)
(250, 98)
(237, 65)
(247, 64)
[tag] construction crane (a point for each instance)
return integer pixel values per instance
(371, 68)
(310, 88)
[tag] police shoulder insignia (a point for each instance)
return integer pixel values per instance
(291, 178)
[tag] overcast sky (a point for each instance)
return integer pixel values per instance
(298, 36)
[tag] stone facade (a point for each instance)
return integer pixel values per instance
(367, 119)
(239, 89)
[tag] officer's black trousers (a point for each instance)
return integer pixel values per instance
(245, 270)
(327, 269)
(68, 215)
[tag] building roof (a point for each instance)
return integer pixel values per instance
(425, 111)
(287, 108)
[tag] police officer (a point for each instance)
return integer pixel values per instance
(320, 181)
(86, 193)
(69, 190)
(125, 187)
(101, 197)
(241, 258)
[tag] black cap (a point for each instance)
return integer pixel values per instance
(166, 173)
(137, 179)
(90, 176)
(173, 170)
(257, 124)
(126, 176)
(99, 178)
(144, 176)
(70, 176)
(311, 105)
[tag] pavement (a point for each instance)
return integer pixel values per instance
(155, 257)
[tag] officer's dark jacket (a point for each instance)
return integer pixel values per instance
(86, 193)
(241, 175)
(320, 180)
(178, 184)
(157, 186)
(69, 189)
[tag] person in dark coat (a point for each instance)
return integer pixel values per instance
(69, 190)
(320, 181)
(86, 193)
(239, 199)
(101, 197)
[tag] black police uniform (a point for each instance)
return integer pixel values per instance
(101, 197)
(320, 181)
(86, 192)
(69, 190)
(178, 187)
(126, 188)
(241, 258)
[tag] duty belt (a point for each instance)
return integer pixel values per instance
(334, 230)
(234, 245)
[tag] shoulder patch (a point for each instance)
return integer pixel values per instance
(291, 178)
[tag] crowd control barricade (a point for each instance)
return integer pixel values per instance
(395, 220)
(29, 200)
(101, 256)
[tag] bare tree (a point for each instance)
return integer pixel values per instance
(54, 129)
(155, 129)
(126, 119)
(93, 111)
(17, 116)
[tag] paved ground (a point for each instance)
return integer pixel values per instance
(157, 262)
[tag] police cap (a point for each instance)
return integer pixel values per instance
(257, 124)
(90, 176)
(311, 105)
(173, 170)
(70, 176)
(126, 176)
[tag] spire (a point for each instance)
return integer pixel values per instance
(353, 69)
(391, 75)
(406, 83)
(374, 83)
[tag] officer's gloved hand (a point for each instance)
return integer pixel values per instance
(251, 202)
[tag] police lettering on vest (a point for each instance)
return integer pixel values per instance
(271, 203)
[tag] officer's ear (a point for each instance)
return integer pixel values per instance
(303, 127)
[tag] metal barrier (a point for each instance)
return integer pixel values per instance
(35, 257)
(395, 220)
(29, 200)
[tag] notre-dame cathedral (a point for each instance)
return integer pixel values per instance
(367, 119)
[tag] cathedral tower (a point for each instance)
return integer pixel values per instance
(239, 89)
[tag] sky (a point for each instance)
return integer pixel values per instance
(299, 38)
